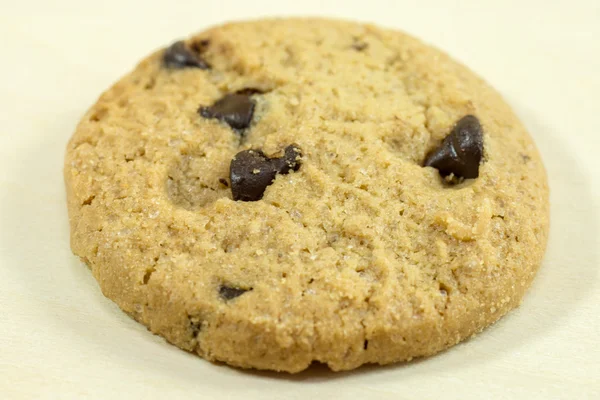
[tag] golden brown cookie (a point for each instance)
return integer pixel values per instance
(278, 192)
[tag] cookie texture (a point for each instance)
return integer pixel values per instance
(357, 249)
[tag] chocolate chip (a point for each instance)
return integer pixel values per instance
(234, 109)
(250, 91)
(228, 292)
(178, 56)
(290, 160)
(461, 151)
(251, 171)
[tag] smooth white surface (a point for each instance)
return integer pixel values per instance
(60, 338)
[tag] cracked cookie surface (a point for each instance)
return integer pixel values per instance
(355, 253)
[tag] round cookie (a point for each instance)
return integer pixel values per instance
(281, 192)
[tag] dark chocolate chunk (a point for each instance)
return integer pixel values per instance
(234, 109)
(178, 56)
(249, 91)
(228, 292)
(290, 160)
(461, 151)
(251, 171)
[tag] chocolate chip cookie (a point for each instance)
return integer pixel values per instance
(280, 192)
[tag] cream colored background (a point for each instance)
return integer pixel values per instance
(60, 338)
